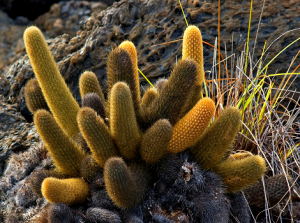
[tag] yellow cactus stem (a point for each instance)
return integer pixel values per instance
(149, 96)
(89, 168)
(193, 48)
(155, 141)
(160, 84)
(34, 97)
(88, 83)
(97, 135)
(173, 95)
(120, 67)
(125, 186)
(65, 153)
(68, 191)
(215, 144)
(240, 155)
(188, 129)
(37, 177)
(92, 100)
(192, 100)
(63, 106)
(241, 173)
(130, 48)
(123, 123)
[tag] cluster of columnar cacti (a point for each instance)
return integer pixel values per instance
(127, 133)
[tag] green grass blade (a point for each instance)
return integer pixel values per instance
(247, 50)
(183, 13)
(278, 55)
(265, 102)
(145, 77)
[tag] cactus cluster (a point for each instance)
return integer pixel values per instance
(127, 134)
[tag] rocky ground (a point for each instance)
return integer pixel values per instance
(80, 34)
(62, 18)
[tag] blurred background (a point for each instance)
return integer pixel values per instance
(53, 17)
(31, 9)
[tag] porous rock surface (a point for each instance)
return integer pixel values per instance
(29, 8)
(146, 23)
(66, 17)
(63, 18)
(11, 43)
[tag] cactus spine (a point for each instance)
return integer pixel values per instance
(63, 106)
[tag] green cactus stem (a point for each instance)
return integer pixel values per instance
(160, 83)
(148, 98)
(131, 50)
(37, 178)
(89, 168)
(192, 47)
(92, 100)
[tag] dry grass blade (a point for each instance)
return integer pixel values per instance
(270, 111)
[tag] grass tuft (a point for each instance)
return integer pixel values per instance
(269, 107)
